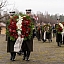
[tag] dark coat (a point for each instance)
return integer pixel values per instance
(48, 35)
(38, 33)
(27, 45)
(10, 45)
(34, 33)
(58, 37)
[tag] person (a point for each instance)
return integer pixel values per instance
(39, 32)
(27, 47)
(10, 46)
(58, 36)
(34, 32)
(49, 33)
(54, 30)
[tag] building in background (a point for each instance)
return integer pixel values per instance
(2, 28)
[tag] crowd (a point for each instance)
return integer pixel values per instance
(48, 32)
(20, 32)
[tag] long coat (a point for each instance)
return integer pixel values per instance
(58, 37)
(10, 45)
(48, 35)
(38, 32)
(27, 45)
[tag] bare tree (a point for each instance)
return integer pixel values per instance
(3, 3)
(47, 18)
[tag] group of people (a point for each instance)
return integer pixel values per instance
(44, 32)
(48, 31)
(41, 32)
(27, 44)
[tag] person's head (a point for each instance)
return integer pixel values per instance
(58, 20)
(12, 13)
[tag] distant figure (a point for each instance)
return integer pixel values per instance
(34, 32)
(38, 32)
(46, 33)
(58, 35)
(54, 30)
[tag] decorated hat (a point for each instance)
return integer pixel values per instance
(12, 13)
(28, 10)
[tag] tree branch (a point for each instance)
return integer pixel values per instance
(3, 4)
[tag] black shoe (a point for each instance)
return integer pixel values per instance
(24, 58)
(59, 46)
(44, 40)
(27, 59)
(13, 59)
(10, 58)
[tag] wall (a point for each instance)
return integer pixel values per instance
(3, 31)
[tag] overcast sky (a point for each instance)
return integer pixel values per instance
(52, 6)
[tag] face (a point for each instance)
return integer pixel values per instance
(11, 16)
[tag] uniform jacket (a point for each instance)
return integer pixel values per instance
(27, 45)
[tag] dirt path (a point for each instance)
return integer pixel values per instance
(43, 53)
